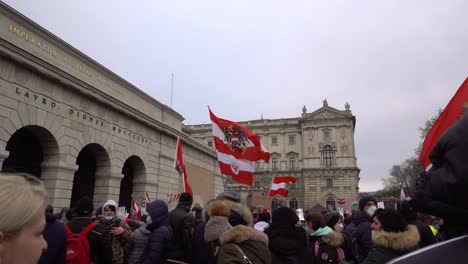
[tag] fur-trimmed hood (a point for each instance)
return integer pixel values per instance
(398, 241)
(237, 207)
(241, 233)
(334, 239)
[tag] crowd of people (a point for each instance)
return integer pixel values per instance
(225, 231)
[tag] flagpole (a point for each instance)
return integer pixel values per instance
(172, 87)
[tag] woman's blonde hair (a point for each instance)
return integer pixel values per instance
(21, 198)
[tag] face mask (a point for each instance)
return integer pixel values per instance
(149, 220)
(109, 217)
(371, 210)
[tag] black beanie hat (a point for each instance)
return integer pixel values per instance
(185, 199)
(84, 206)
(284, 216)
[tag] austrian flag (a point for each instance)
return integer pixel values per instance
(179, 165)
(279, 185)
(237, 149)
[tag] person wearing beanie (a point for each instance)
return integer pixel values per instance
(152, 241)
(122, 236)
(392, 237)
(361, 229)
(324, 242)
(263, 221)
(234, 244)
(286, 241)
(99, 238)
(56, 237)
(182, 224)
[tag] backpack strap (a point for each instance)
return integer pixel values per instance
(340, 254)
(68, 230)
(316, 247)
(90, 227)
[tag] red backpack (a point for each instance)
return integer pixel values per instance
(78, 245)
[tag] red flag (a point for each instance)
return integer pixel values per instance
(279, 185)
(447, 118)
(180, 167)
(237, 140)
(402, 195)
(237, 149)
(173, 197)
(135, 208)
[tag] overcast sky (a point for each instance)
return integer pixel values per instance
(395, 62)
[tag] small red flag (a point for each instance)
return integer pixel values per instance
(447, 118)
(135, 208)
(279, 185)
(180, 167)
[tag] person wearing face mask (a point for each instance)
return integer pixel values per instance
(122, 237)
(362, 232)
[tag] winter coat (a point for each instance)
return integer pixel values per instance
(286, 244)
(390, 245)
(56, 237)
(182, 224)
(157, 246)
(332, 240)
(442, 190)
(121, 244)
(362, 234)
(140, 240)
(425, 233)
(253, 243)
(201, 251)
(261, 226)
(99, 239)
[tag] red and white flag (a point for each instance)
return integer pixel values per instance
(447, 118)
(279, 185)
(402, 195)
(135, 208)
(237, 149)
(173, 197)
(179, 165)
(147, 199)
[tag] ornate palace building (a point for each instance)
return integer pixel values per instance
(317, 148)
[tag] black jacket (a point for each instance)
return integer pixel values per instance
(201, 251)
(56, 237)
(362, 235)
(99, 239)
(182, 224)
(442, 190)
(286, 244)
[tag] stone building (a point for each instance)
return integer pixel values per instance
(83, 130)
(317, 148)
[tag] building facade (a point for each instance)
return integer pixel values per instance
(83, 130)
(317, 148)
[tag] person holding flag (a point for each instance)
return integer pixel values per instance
(441, 189)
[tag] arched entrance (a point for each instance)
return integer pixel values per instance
(92, 160)
(133, 171)
(28, 148)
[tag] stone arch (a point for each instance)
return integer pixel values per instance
(93, 164)
(133, 181)
(32, 149)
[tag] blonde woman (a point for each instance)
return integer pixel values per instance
(22, 219)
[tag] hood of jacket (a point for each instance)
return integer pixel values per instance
(334, 239)
(398, 241)
(361, 217)
(113, 203)
(158, 211)
(241, 233)
(286, 240)
(144, 231)
(239, 213)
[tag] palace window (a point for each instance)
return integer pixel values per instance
(329, 183)
(257, 165)
(274, 140)
(326, 135)
(257, 184)
(210, 143)
(274, 203)
(274, 164)
(292, 140)
(328, 158)
(292, 163)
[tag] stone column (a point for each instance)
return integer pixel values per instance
(58, 180)
(106, 187)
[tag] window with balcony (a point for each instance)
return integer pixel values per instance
(329, 183)
(274, 164)
(292, 140)
(274, 140)
(292, 163)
